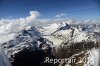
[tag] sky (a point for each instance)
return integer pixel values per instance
(50, 9)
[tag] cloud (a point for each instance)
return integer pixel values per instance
(6, 25)
(33, 15)
(60, 15)
(9, 27)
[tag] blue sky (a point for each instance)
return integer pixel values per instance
(75, 9)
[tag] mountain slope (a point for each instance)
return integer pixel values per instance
(80, 40)
(29, 38)
(54, 41)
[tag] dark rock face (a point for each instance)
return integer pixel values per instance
(29, 57)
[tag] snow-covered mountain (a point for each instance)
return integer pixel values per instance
(83, 36)
(29, 38)
(75, 33)
(52, 37)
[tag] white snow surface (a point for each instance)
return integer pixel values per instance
(51, 28)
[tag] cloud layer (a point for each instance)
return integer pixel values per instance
(60, 15)
(9, 27)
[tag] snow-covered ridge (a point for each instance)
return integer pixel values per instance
(27, 38)
(75, 33)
